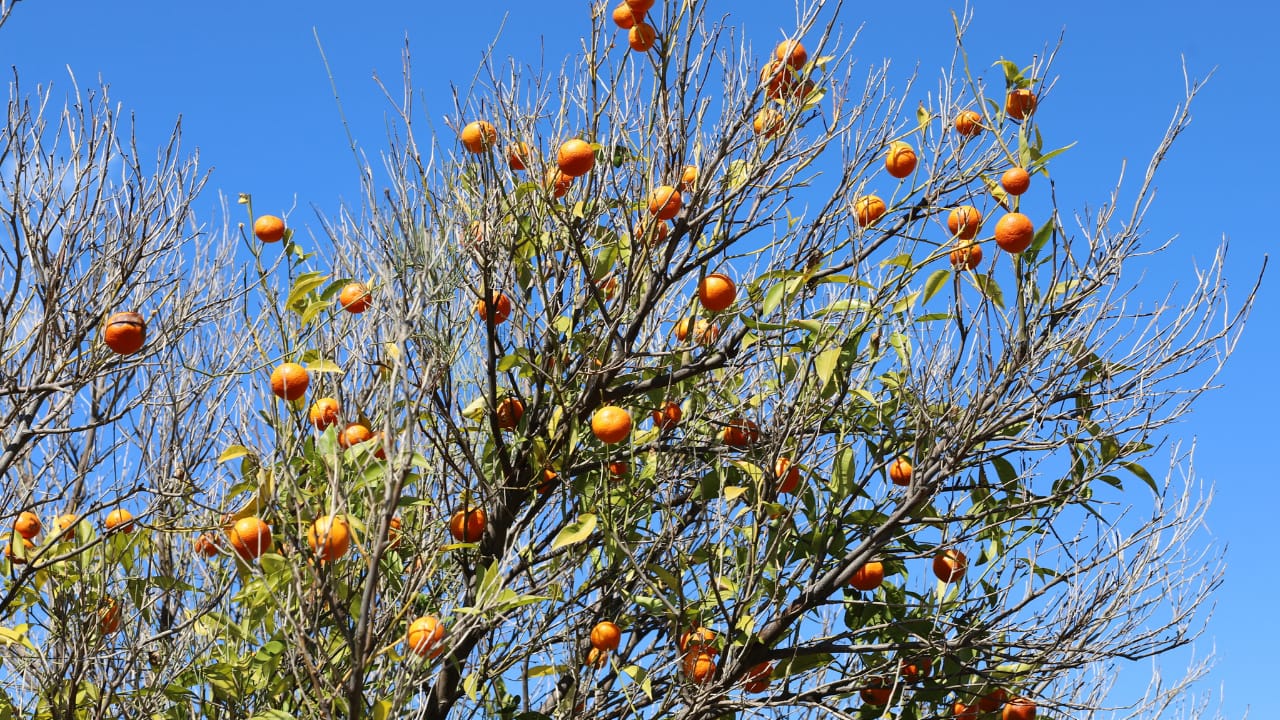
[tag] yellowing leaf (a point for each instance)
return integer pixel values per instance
(233, 452)
(575, 532)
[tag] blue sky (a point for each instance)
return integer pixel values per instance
(249, 84)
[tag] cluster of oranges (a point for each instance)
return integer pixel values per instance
(630, 16)
(784, 80)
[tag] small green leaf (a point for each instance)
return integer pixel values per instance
(989, 288)
(575, 532)
(935, 282)
(825, 363)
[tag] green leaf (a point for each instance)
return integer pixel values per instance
(989, 288)
(825, 363)
(381, 709)
(923, 116)
(233, 452)
(641, 678)
(575, 532)
(935, 282)
(1012, 75)
(302, 286)
(323, 366)
(1142, 474)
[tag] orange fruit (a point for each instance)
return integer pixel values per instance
(66, 521)
(767, 122)
(206, 544)
(468, 525)
(109, 617)
(1019, 709)
(576, 158)
(992, 700)
(868, 577)
(703, 332)
(125, 332)
(900, 161)
(791, 52)
(667, 417)
(595, 657)
(717, 292)
(1020, 103)
(619, 468)
(876, 692)
(250, 537)
(518, 156)
(329, 537)
(915, 669)
(501, 308)
(509, 412)
(960, 711)
(650, 231)
(18, 558)
(355, 298)
(1014, 233)
(611, 424)
(556, 182)
(698, 640)
(664, 202)
(900, 472)
(268, 228)
(393, 533)
(950, 566)
(688, 177)
(967, 256)
(324, 412)
(641, 36)
(757, 678)
(964, 222)
(788, 475)
(424, 634)
(606, 636)
(1015, 181)
(777, 79)
(479, 136)
(624, 17)
(700, 667)
(289, 381)
(119, 519)
(740, 433)
(27, 525)
(868, 209)
(639, 6)
(354, 434)
(968, 123)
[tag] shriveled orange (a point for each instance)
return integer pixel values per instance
(667, 417)
(393, 533)
(354, 434)
(664, 202)
(641, 36)
(1018, 708)
(125, 332)
(700, 667)
(698, 639)
(776, 78)
(701, 331)
(468, 525)
(324, 412)
(877, 692)
(900, 160)
(1014, 233)
(964, 222)
(625, 17)
(108, 617)
(119, 519)
(509, 412)
(967, 256)
(27, 525)
(576, 157)
(250, 537)
(900, 472)
(424, 635)
(767, 122)
(206, 544)
(791, 52)
(968, 123)
(611, 424)
(329, 537)
(868, 577)
(1019, 103)
(868, 209)
(501, 308)
(756, 679)
(787, 474)
(717, 292)
(606, 636)
(596, 658)
(556, 182)
(650, 231)
(355, 298)
(740, 433)
(1015, 181)
(619, 468)
(950, 565)
(519, 155)
(289, 381)
(268, 228)
(993, 700)
(478, 136)
(915, 669)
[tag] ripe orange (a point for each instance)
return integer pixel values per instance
(606, 636)
(206, 544)
(329, 537)
(900, 161)
(119, 519)
(289, 381)
(1015, 232)
(576, 158)
(509, 412)
(1019, 709)
(518, 156)
(479, 136)
(250, 537)
(900, 472)
(11, 553)
(664, 202)
(703, 332)
(624, 17)
(125, 332)
(757, 678)
(700, 667)
(717, 292)
(868, 577)
(27, 525)
(324, 412)
(868, 209)
(501, 308)
(767, 122)
(964, 222)
(354, 434)
(960, 711)
(968, 123)
(66, 521)
(698, 640)
(777, 79)
(556, 182)
(611, 424)
(1015, 181)
(424, 634)
(641, 36)
(791, 52)
(1020, 103)
(619, 468)
(639, 6)
(950, 566)
(108, 617)
(667, 417)
(967, 256)
(268, 228)
(468, 525)
(355, 298)
(650, 231)
(740, 433)
(788, 475)
(992, 700)
(688, 177)
(877, 692)
(393, 533)
(915, 669)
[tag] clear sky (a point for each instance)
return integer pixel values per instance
(248, 81)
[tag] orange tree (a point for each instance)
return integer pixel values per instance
(696, 383)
